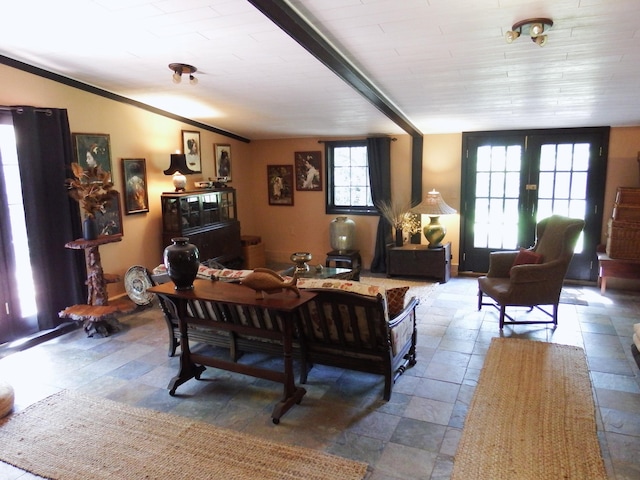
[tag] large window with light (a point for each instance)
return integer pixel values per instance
(348, 187)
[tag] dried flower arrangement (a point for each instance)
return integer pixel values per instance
(92, 188)
(400, 217)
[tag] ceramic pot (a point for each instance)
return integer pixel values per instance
(342, 234)
(89, 228)
(182, 260)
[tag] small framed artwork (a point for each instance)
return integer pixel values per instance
(134, 175)
(191, 148)
(92, 150)
(222, 154)
(280, 184)
(308, 168)
(110, 222)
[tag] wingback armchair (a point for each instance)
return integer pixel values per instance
(509, 282)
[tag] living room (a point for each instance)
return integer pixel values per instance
(136, 132)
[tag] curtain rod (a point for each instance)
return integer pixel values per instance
(393, 139)
(21, 109)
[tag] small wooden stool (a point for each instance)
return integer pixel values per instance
(99, 319)
(345, 259)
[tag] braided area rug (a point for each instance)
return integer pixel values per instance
(532, 416)
(70, 436)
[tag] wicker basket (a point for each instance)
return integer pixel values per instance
(628, 196)
(626, 213)
(623, 240)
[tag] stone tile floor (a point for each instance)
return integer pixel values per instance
(413, 436)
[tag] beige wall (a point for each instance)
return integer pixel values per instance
(136, 133)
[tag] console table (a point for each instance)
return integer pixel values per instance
(420, 260)
(224, 298)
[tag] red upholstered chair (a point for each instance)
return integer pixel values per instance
(512, 283)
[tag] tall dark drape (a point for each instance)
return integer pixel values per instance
(379, 152)
(45, 152)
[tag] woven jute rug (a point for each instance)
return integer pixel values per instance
(70, 436)
(532, 416)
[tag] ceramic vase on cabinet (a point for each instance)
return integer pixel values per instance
(342, 234)
(182, 260)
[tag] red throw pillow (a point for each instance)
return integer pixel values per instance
(527, 257)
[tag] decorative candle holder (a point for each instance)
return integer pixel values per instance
(301, 259)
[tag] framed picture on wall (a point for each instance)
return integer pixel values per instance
(308, 171)
(110, 222)
(280, 184)
(222, 165)
(92, 150)
(134, 177)
(191, 148)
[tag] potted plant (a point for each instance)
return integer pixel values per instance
(400, 218)
(93, 190)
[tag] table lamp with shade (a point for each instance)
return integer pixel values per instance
(179, 169)
(434, 206)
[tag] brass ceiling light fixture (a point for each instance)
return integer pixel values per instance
(534, 27)
(183, 68)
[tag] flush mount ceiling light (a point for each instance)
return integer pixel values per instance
(535, 27)
(180, 68)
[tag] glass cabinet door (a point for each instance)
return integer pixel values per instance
(210, 208)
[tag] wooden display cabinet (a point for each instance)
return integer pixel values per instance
(208, 218)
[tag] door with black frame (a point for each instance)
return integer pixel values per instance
(512, 180)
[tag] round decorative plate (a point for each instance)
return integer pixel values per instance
(136, 282)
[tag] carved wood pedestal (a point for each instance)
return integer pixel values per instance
(97, 315)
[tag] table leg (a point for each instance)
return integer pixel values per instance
(291, 394)
(188, 369)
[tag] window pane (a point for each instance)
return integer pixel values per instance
(579, 185)
(581, 157)
(563, 185)
(484, 159)
(545, 185)
(482, 185)
(565, 157)
(513, 185)
(548, 157)
(498, 158)
(497, 184)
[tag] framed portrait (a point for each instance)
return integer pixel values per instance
(280, 184)
(134, 177)
(308, 171)
(191, 148)
(92, 149)
(222, 164)
(110, 222)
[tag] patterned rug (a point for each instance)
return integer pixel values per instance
(71, 436)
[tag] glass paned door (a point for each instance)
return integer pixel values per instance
(512, 182)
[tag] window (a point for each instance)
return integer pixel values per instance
(348, 188)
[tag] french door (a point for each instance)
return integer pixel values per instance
(512, 180)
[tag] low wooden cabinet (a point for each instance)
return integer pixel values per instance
(208, 218)
(420, 260)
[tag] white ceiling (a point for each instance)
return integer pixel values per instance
(443, 63)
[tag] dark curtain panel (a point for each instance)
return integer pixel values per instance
(45, 152)
(379, 151)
